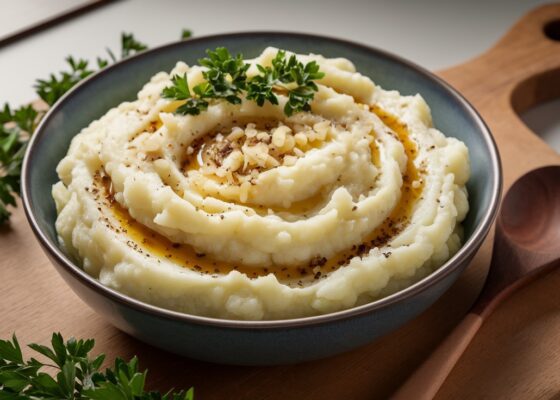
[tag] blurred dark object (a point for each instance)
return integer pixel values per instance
(27, 23)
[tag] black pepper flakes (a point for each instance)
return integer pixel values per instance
(317, 261)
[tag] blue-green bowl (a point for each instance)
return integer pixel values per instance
(261, 342)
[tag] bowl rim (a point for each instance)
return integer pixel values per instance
(470, 246)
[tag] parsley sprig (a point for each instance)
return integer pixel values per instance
(289, 75)
(16, 126)
(77, 375)
(53, 88)
(226, 79)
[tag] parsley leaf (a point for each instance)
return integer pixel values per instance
(53, 88)
(77, 375)
(24, 117)
(260, 88)
(14, 130)
(226, 75)
(292, 71)
(225, 78)
(180, 91)
(130, 46)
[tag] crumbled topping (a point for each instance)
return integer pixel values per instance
(241, 152)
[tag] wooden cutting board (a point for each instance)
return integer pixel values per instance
(516, 355)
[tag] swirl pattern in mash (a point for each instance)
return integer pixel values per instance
(242, 212)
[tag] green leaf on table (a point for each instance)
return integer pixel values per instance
(10, 351)
(77, 375)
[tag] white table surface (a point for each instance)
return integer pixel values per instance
(432, 33)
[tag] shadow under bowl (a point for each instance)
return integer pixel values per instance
(258, 342)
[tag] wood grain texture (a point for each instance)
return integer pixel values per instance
(516, 354)
(526, 246)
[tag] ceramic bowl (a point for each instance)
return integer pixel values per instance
(262, 342)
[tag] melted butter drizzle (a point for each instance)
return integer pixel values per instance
(401, 214)
(154, 125)
(411, 189)
(375, 155)
(152, 244)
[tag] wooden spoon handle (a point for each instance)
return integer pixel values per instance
(425, 382)
(520, 71)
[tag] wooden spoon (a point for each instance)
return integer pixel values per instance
(527, 244)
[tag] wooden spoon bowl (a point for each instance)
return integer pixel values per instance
(530, 214)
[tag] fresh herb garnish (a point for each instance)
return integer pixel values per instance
(180, 91)
(18, 125)
(77, 375)
(292, 72)
(290, 76)
(226, 78)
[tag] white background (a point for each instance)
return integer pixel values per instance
(432, 33)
